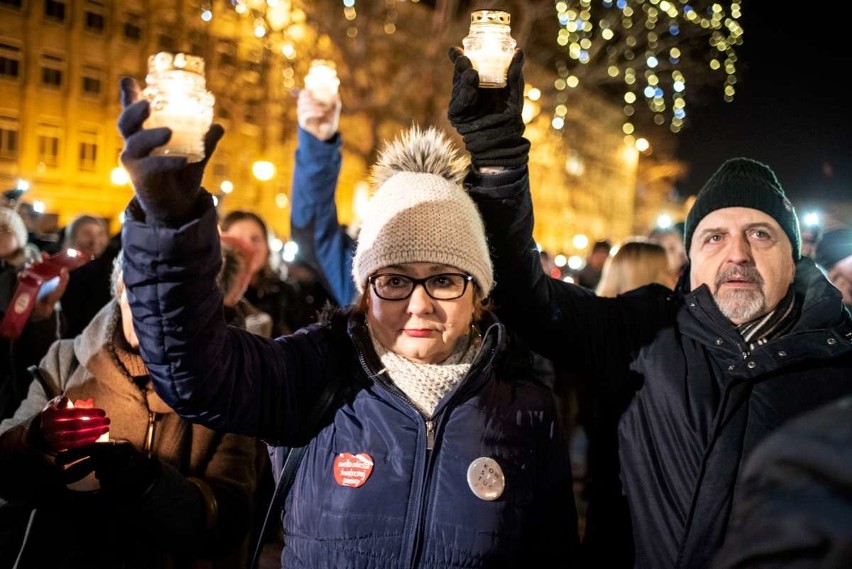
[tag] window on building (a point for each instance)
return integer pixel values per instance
(55, 9)
(8, 138)
(10, 61)
(132, 28)
(92, 81)
(227, 50)
(166, 42)
(94, 16)
(52, 70)
(196, 42)
(252, 112)
(49, 143)
(221, 169)
(11, 3)
(88, 154)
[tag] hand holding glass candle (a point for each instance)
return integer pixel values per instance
(322, 81)
(88, 483)
(176, 89)
(66, 425)
(489, 46)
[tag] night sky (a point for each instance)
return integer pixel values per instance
(791, 110)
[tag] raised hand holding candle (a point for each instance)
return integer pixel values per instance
(322, 81)
(489, 46)
(176, 89)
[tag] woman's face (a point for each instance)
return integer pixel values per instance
(8, 241)
(91, 237)
(419, 327)
(252, 234)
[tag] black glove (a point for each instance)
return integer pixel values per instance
(489, 120)
(167, 187)
(120, 468)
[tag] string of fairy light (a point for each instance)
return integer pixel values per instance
(276, 23)
(638, 42)
(639, 45)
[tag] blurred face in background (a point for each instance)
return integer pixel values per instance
(252, 234)
(92, 237)
(8, 241)
(840, 276)
(673, 244)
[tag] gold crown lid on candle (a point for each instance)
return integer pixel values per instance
(165, 61)
(490, 17)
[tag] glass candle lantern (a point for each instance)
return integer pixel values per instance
(322, 81)
(176, 89)
(489, 46)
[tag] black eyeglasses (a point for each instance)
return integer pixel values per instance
(445, 286)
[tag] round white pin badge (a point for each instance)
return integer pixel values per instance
(485, 478)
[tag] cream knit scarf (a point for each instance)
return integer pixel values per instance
(426, 384)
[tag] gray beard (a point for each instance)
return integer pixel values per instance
(741, 305)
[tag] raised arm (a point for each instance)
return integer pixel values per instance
(314, 224)
(559, 320)
(208, 372)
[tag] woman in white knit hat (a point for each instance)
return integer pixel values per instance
(437, 449)
(26, 342)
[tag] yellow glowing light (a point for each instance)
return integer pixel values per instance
(263, 170)
(119, 176)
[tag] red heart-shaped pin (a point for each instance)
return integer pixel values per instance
(352, 470)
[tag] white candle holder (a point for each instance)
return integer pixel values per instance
(322, 81)
(489, 46)
(176, 89)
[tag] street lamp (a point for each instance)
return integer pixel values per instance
(263, 170)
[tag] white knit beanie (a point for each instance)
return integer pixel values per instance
(11, 218)
(420, 213)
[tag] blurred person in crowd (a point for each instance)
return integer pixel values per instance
(425, 416)
(671, 238)
(89, 286)
(590, 275)
(87, 233)
(267, 291)
(811, 235)
(42, 327)
(753, 335)
(834, 254)
(795, 508)
(323, 241)
(635, 263)
(171, 494)
(234, 279)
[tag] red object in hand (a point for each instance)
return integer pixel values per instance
(65, 425)
(35, 283)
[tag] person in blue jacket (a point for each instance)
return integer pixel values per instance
(754, 335)
(314, 225)
(439, 450)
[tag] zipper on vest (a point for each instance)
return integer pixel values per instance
(148, 446)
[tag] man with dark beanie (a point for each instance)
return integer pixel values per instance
(753, 335)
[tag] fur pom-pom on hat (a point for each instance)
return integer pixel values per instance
(420, 212)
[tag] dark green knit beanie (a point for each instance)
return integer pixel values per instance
(742, 182)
